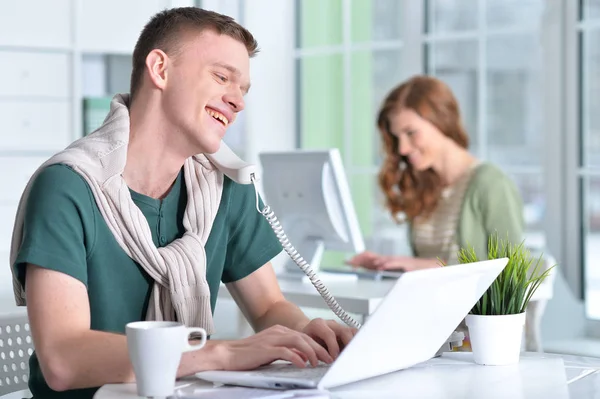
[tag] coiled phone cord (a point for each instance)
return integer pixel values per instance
(303, 264)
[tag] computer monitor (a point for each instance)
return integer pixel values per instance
(309, 193)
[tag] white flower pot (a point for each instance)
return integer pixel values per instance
(496, 340)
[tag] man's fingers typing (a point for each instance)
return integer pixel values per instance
(294, 340)
(305, 345)
(320, 351)
(296, 357)
(321, 330)
(345, 335)
(290, 355)
(301, 354)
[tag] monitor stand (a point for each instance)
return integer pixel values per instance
(311, 249)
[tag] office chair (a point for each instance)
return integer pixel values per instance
(16, 346)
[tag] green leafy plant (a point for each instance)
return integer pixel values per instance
(512, 290)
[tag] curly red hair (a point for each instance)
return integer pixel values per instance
(416, 193)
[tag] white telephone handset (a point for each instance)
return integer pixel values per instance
(232, 166)
(245, 173)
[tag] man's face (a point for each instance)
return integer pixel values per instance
(205, 88)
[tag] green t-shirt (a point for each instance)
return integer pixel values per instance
(65, 231)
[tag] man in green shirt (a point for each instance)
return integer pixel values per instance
(190, 75)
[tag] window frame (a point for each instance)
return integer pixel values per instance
(560, 104)
(411, 33)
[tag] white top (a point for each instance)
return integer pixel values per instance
(436, 236)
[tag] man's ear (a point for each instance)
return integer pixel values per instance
(157, 63)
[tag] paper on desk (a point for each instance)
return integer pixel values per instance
(249, 393)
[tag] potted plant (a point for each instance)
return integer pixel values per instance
(496, 322)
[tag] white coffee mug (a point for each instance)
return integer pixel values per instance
(155, 349)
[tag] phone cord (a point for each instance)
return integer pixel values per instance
(303, 264)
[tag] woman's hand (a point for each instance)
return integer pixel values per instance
(365, 259)
(372, 261)
(403, 263)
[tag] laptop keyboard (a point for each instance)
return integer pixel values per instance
(291, 371)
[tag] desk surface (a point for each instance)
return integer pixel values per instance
(454, 375)
(359, 296)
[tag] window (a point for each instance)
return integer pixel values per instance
(588, 173)
(490, 54)
(348, 56)
(526, 74)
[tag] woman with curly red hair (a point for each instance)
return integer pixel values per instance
(449, 198)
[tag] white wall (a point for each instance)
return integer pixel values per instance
(270, 105)
(271, 102)
(42, 56)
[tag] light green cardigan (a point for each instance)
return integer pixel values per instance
(492, 203)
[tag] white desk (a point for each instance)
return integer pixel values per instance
(360, 296)
(454, 375)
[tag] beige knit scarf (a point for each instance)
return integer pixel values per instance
(181, 291)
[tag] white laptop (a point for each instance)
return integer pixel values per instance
(408, 327)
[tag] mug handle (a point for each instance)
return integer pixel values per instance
(189, 347)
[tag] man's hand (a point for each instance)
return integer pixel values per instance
(274, 343)
(330, 334)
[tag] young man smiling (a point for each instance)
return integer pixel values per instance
(133, 222)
